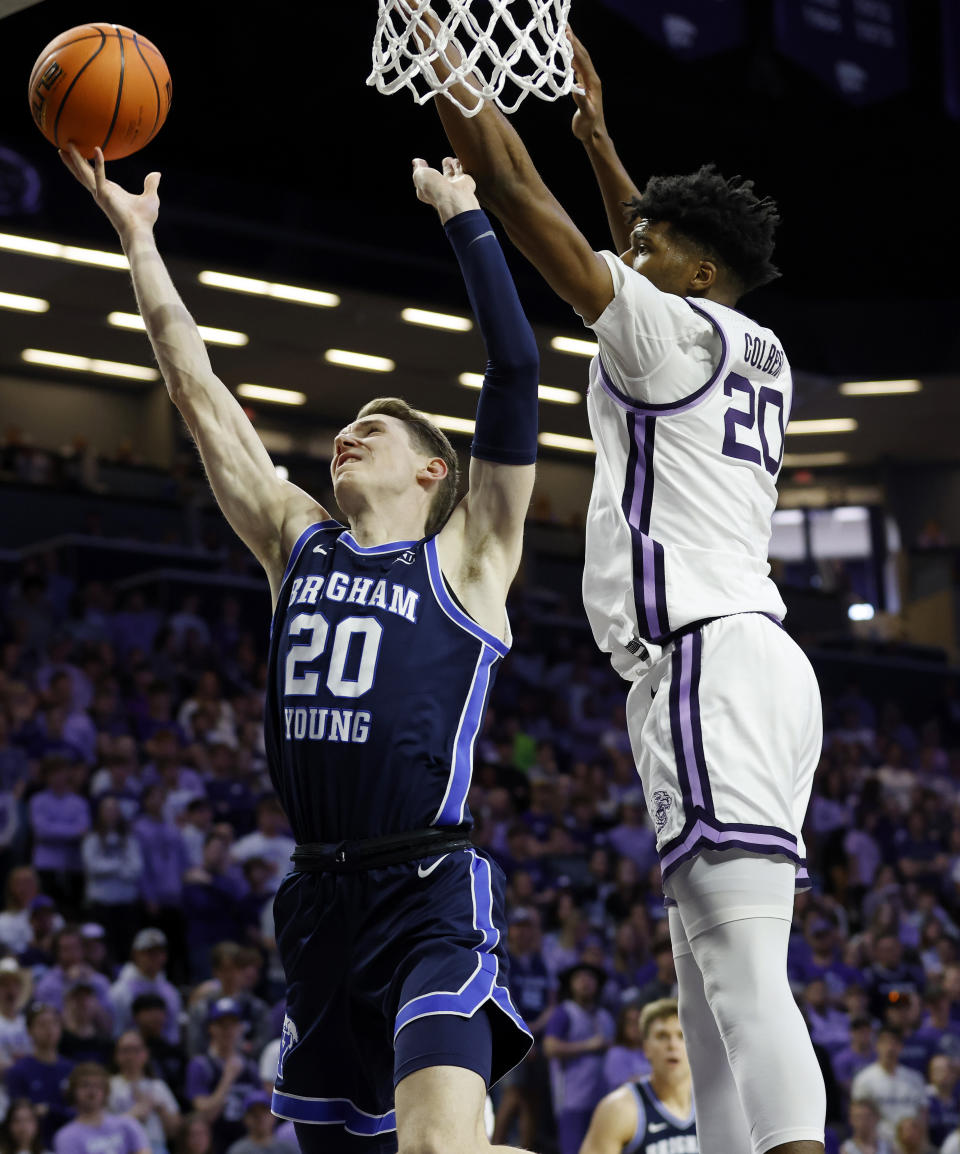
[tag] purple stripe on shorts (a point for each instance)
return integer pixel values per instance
(686, 723)
(702, 835)
(699, 753)
(676, 731)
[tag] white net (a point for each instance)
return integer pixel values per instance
(499, 50)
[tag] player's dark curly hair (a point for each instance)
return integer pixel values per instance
(725, 216)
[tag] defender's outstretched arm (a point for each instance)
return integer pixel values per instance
(262, 509)
(491, 151)
(590, 128)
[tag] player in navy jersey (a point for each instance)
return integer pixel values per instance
(653, 1115)
(386, 637)
(688, 402)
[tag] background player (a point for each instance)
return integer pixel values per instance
(653, 1115)
(385, 642)
(688, 402)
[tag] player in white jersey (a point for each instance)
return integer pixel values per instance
(688, 403)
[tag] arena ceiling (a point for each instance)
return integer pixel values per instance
(279, 163)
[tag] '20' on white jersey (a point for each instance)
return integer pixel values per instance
(688, 403)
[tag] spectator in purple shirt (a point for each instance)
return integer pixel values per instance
(625, 1060)
(120, 775)
(943, 1099)
(859, 1053)
(76, 727)
(165, 861)
(38, 956)
(42, 1075)
(113, 866)
(219, 1081)
(95, 1131)
(820, 959)
(70, 967)
(59, 819)
(578, 1036)
(633, 837)
(87, 1033)
(210, 904)
(829, 1027)
(144, 974)
(231, 797)
(180, 782)
(159, 714)
(136, 625)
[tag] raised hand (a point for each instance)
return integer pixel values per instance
(126, 211)
(588, 119)
(450, 192)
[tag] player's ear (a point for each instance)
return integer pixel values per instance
(433, 470)
(704, 277)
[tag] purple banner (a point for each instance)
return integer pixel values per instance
(951, 56)
(690, 29)
(856, 47)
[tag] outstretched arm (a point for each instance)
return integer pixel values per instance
(485, 533)
(491, 151)
(265, 512)
(590, 128)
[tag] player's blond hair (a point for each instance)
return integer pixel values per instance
(657, 1011)
(428, 438)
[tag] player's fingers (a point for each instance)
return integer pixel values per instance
(78, 166)
(152, 183)
(98, 169)
(581, 57)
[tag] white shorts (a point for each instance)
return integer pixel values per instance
(727, 732)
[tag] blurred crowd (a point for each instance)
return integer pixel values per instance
(141, 845)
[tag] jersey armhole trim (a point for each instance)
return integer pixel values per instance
(301, 541)
(295, 552)
(670, 408)
(636, 1143)
(449, 606)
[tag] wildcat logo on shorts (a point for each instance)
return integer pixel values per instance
(288, 1039)
(662, 801)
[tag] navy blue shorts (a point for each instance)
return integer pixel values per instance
(369, 955)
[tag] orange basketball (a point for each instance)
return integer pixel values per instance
(100, 84)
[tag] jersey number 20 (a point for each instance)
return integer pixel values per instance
(755, 447)
(305, 684)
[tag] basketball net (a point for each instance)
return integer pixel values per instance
(502, 51)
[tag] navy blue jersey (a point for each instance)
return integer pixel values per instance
(659, 1131)
(378, 682)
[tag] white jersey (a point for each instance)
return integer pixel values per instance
(688, 403)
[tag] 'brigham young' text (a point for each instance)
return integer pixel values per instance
(313, 724)
(338, 586)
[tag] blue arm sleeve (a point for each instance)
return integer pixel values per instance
(506, 427)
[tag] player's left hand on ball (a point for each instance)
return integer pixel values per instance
(450, 192)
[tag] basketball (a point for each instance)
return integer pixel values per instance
(100, 84)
